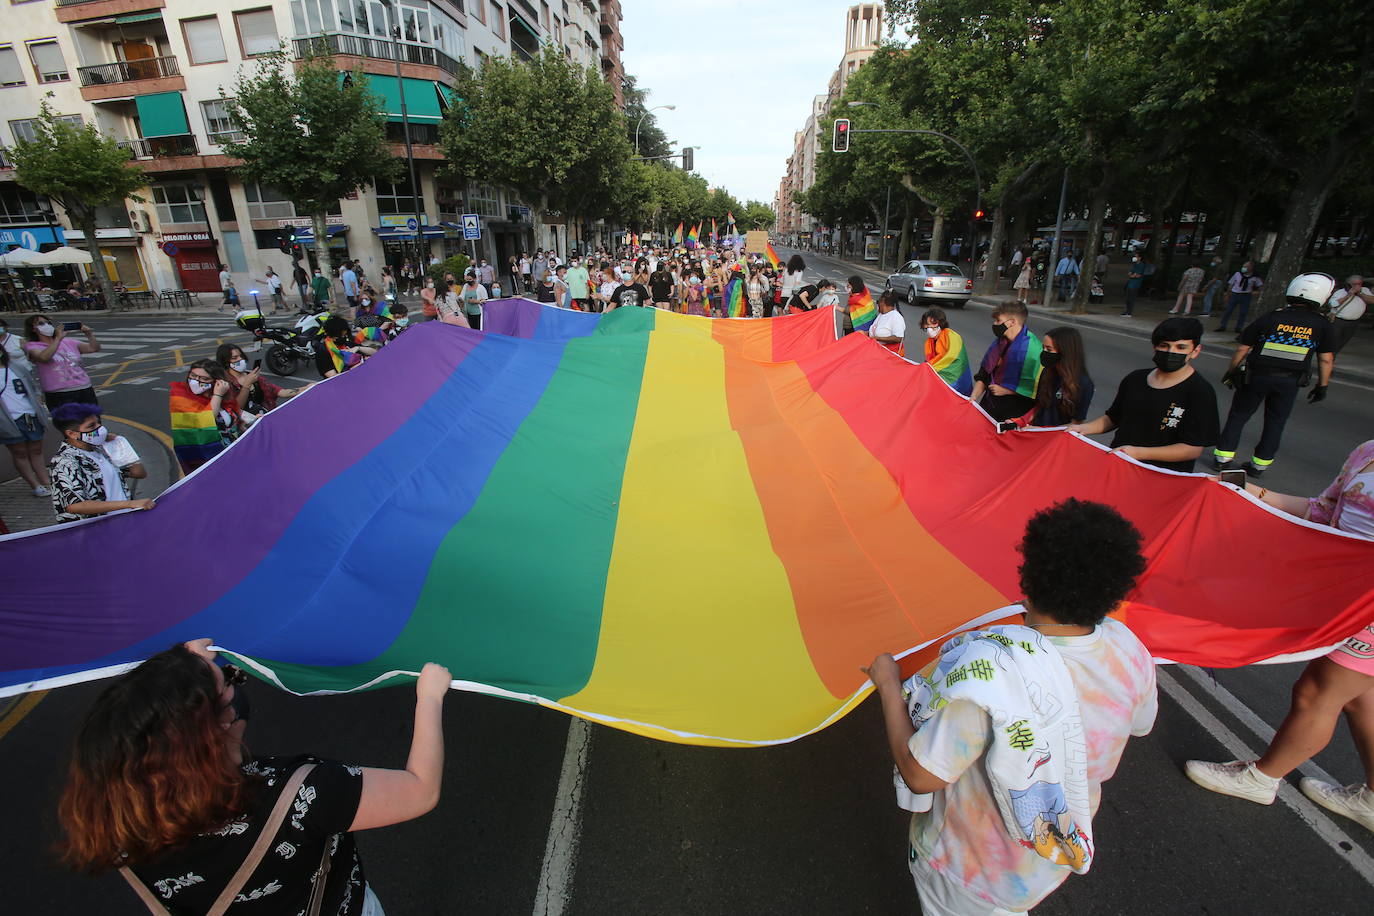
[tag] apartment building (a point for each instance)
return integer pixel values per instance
(863, 31)
(150, 73)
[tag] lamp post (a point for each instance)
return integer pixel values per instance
(645, 115)
(395, 29)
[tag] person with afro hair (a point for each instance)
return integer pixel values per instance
(1079, 561)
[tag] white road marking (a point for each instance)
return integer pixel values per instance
(1308, 813)
(565, 828)
(119, 346)
(137, 381)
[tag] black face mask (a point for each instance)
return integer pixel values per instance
(1167, 361)
(999, 329)
(1049, 360)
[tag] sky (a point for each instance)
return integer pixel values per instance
(741, 74)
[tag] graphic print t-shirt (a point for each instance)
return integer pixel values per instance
(631, 294)
(189, 879)
(1148, 417)
(963, 836)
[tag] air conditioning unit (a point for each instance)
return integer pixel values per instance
(139, 220)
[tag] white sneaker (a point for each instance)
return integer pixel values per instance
(41, 491)
(1237, 778)
(1355, 802)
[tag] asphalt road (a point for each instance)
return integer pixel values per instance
(646, 827)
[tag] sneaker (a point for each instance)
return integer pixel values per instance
(41, 491)
(1219, 465)
(1355, 802)
(1237, 778)
(1252, 471)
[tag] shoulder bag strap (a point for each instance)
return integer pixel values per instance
(154, 905)
(265, 838)
(317, 891)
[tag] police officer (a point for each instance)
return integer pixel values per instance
(1276, 351)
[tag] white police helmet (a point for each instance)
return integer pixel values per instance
(1311, 289)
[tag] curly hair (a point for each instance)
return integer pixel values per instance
(1080, 560)
(150, 766)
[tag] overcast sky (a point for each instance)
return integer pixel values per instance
(741, 74)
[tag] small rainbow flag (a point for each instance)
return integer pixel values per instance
(730, 221)
(342, 360)
(369, 335)
(773, 258)
(734, 296)
(713, 230)
(862, 311)
(677, 234)
(693, 234)
(195, 435)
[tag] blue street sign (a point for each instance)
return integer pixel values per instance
(412, 224)
(472, 228)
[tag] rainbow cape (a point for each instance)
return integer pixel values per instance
(195, 435)
(1020, 368)
(735, 302)
(730, 605)
(862, 311)
(772, 256)
(947, 356)
(342, 360)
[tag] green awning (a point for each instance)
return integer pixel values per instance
(162, 115)
(137, 17)
(422, 101)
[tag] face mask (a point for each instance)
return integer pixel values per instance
(95, 437)
(45, 329)
(1167, 361)
(999, 329)
(198, 387)
(238, 365)
(933, 333)
(1245, 270)
(1049, 360)
(402, 322)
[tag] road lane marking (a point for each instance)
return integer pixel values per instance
(565, 829)
(1340, 843)
(19, 710)
(114, 375)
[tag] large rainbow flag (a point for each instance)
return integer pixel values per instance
(753, 515)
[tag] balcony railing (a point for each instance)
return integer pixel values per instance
(375, 48)
(5, 161)
(125, 71)
(73, 2)
(161, 147)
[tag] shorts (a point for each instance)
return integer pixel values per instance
(1357, 652)
(30, 430)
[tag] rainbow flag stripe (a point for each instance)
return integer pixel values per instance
(195, 435)
(342, 359)
(862, 309)
(753, 517)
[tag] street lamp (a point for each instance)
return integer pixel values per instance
(641, 121)
(395, 29)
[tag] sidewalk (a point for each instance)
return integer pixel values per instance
(1354, 363)
(22, 511)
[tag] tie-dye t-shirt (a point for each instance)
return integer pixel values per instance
(963, 836)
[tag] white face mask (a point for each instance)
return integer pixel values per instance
(933, 333)
(198, 387)
(96, 436)
(45, 329)
(238, 365)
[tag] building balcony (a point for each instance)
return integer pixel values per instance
(80, 10)
(338, 44)
(606, 30)
(126, 71)
(161, 147)
(5, 161)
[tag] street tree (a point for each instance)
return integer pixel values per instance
(310, 132)
(83, 171)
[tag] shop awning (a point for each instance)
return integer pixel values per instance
(162, 115)
(422, 98)
(137, 17)
(308, 235)
(402, 233)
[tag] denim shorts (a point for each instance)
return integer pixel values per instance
(30, 430)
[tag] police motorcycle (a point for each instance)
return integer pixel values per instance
(290, 346)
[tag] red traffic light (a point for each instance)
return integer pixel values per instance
(840, 140)
(979, 214)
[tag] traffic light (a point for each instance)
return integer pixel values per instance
(980, 213)
(284, 245)
(688, 159)
(840, 142)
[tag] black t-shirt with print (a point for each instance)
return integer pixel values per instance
(1151, 417)
(187, 880)
(630, 294)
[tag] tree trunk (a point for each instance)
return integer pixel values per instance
(937, 234)
(904, 244)
(1097, 214)
(988, 285)
(1226, 246)
(320, 227)
(86, 217)
(1303, 210)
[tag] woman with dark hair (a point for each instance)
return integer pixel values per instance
(205, 415)
(161, 788)
(1065, 389)
(889, 328)
(792, 278)
(335, 351)
(254, 394)
(945, 351)
(57, 358)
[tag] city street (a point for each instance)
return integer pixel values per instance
(542, 814)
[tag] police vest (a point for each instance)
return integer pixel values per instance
(1286, 340)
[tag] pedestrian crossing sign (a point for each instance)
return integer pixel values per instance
(472, 229)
